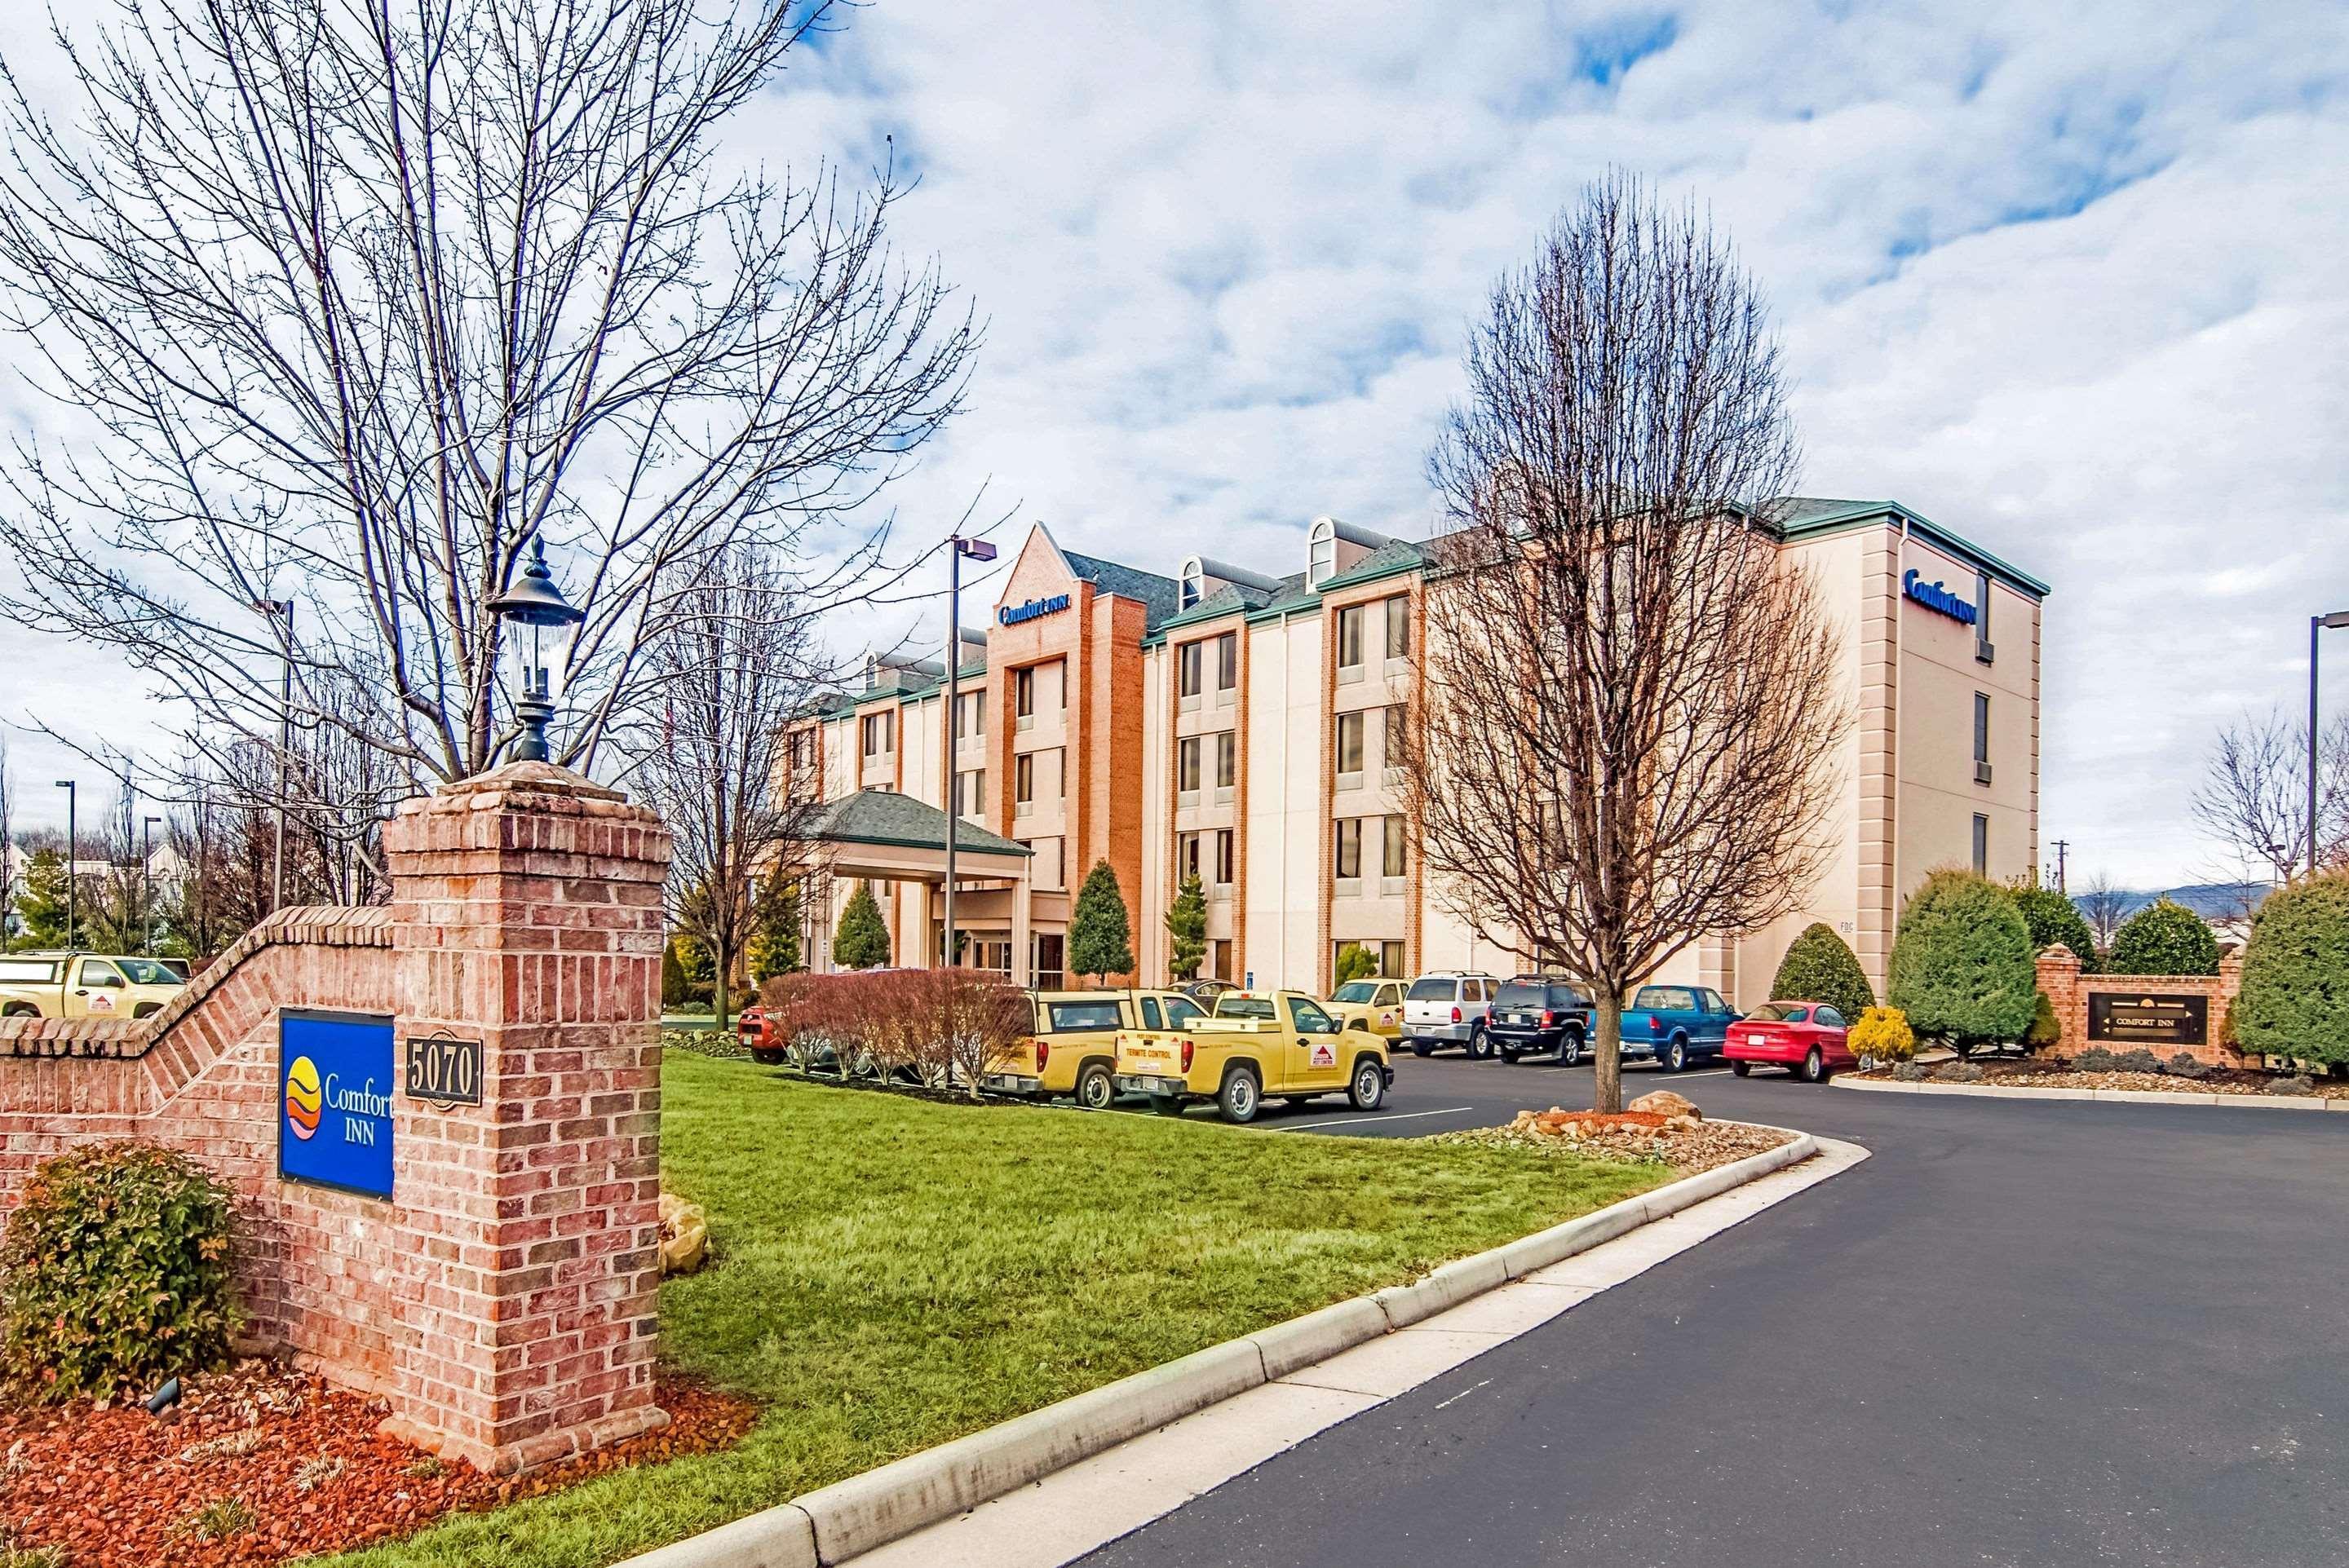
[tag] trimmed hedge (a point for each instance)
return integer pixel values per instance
(1818, 967)
(1963, 964)
(114, 1273)
(2163, 938)
(2295, 992)
(2054, 918)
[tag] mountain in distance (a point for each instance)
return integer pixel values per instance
(2212, 901)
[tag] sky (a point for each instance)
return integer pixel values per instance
(2070, 281)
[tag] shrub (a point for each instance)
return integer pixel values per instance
(2045, 1033)
(1963, 965)
(2096, 1059)
(1882, 1035)
(1100, 935)
(2163, 938)
(861, 941)
(114, 1272)
(2187, 1064)
(2139, 1060)
(1818, 967)
(1186, 930)
(2052, 918)
(2295, 989)
(1355, 962)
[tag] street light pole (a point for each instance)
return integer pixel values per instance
(274, 608)
(147, 883)
(2316, 623)
(73, 836)
(978, 550)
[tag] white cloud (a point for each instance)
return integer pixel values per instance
(2066, 279)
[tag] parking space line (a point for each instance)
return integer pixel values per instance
(1356, 1121)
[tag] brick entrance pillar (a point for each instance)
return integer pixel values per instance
(527, 914)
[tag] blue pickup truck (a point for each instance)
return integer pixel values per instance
(1675, 1025)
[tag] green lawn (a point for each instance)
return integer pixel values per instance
(893, 1272)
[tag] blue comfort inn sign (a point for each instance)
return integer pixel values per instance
(333, 1122)
(1012, 614)
(1933, 596)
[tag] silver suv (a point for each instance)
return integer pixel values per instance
(1449, 1008)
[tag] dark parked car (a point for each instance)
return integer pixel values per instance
(1533, 1015)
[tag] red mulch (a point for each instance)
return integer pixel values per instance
(120, 1489)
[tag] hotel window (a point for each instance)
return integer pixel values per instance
(1223, 857)
(1186, 856)
(1350, 637)
(1193, 585)
(1391, 959)
(1391, 719)
(1023, 693)
(1023, 782)
(880, 730)
(1219, 958)
(970, 792)
(1982, 738)
(1399, 626)
(1227, 758)
(1982, 649)
(1321, 554)
(1392, 848)
(1189, 660)
(1227, 661)
(1350, 848)
(1350, 745)
(971, 721)
(1186, 765)
(1981, 845)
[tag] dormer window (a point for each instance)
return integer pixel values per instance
(1193, 584)
(1321, 553)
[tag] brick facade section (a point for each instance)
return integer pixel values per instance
(503, 1301)
(2068, 990)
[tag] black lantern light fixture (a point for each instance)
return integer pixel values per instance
(541, 620)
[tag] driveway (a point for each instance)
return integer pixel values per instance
(2021, 1334)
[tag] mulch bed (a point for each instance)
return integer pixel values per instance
(2032, 1073)
(1685, 1143)
(262, 1464)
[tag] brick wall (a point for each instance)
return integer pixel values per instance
(501, 1301)
(2068, 990)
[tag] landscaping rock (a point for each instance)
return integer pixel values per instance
(1687, 1143)
(1664, 1103)
(685, 1235)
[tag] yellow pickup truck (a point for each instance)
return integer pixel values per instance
(1285, 1045)
(84, 986)
(1074, 1048)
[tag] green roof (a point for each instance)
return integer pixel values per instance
(885, 817)
(1802, 516)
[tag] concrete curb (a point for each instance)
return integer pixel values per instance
(2103, 1096)
(837, 1523)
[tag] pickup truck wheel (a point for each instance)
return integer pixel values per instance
(1368, 1089)
(1570, 1049)
(1674, 1056)
(1240, 1097)
(1741, 1068)
(1166, 1104)
(1094, 1088)
(19, 1010)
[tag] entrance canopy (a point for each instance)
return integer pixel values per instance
(882, 834)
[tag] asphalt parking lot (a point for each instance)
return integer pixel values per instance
(2024, 1333)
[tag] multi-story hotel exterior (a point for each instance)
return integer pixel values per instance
(1234, 723)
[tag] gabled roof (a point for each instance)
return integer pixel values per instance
(885, 817)
(1159, 595)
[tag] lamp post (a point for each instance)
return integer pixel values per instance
(2316, 623)
(73, 836)
(147, 883)
(981, 551)
(543, 620)
(274, 608)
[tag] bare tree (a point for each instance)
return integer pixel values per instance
(2254, 798)
(1623, 740)
(7, 847)
(348, 302)
(736, 662)
(2103, 906)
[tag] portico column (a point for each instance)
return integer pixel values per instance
(1023, 969)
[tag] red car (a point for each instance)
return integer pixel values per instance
(751, 1028)
(1807, 1038)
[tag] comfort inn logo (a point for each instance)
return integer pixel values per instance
(302, 1097)
(1012, 614)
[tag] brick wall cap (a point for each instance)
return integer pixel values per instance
(514, 778)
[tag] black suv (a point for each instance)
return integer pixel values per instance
(1534, 1015)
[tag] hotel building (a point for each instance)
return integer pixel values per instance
(1233, 721)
